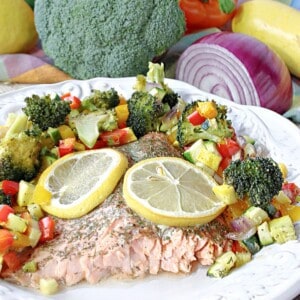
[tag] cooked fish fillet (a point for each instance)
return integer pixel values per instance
(113, 241)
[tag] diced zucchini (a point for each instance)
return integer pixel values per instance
(192, 153)
(205, 155)
(157, 93)
(249, 139)
(257, 215)
(15, 223)
(282, 229)
(25, 193)
(54, 134)
(35, 211)
(242, 258)
(252, 244)
(264, 234)
(34, 232)
(282, 198)
(222, 265)
(48, 286)
(225, 193)
(30, 267)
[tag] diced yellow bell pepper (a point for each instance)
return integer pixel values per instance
(207, 109)
(209, 159)
(225, 193)
(122, 114)
(20, 240)
(66, 132)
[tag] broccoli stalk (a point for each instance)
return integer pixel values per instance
(89, 125)
(258, 178)
(45, 112)
(214, 129)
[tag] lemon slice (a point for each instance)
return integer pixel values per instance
(171, 191)
(80, 181)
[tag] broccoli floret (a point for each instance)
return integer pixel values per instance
(19, 157)
(214, 129)
(45, 112)
(5, 199)
(145, 112)
(88, 125)
(171, 98)
(258, 178)
(101, 100)
(107, 38)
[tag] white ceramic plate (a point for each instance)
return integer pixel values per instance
(274, 273)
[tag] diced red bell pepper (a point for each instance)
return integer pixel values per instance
(75, 102)
(66, 146)
(6, 240)
(291, 190)
(223, 165)
(117, 137)
(47, 227)
(12, 260)
(195, 118)
(228, 147)
(10, 187)
(5, 210)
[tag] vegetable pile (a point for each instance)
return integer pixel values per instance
(261, 205)
(107, 38)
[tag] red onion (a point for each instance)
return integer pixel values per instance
(239, 68)
(243, 228)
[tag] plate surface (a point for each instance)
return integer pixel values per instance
(274, 273)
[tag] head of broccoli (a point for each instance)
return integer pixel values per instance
(258, 178)
(45, 112)
(101, 100)
(19, 157)
(107, 38)
(145, 112)
(214, 129)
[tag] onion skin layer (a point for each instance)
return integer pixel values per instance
(237, 67)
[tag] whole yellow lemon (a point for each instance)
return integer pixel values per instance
(17, 28)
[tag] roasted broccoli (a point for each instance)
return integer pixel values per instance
(107, 38)
(5, 199)
(101, 100)
(258, 178)
(145, 112)
(45, 112)
(88, 125)
(214, 129)
(19, 157)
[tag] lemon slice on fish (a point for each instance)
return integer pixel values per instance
(80, 181)
(171, 191)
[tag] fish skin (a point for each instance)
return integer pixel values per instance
(113, 241)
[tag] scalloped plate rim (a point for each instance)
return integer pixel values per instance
(196, 285)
